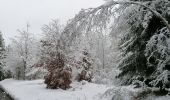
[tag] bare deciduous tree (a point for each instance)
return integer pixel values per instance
(23, 46)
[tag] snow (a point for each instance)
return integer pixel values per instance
(36, 90)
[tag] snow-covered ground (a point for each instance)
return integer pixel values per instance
(36, 90)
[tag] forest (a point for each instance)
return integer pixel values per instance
(119, 50)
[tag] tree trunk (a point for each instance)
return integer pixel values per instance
(24, 69)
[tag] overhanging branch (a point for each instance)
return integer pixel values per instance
(142, 5)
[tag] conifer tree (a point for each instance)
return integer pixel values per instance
(142, 57)
(2, 56)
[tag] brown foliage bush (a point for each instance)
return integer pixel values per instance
(58, 79)
(58, 76)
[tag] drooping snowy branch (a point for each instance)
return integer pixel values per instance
(143, 5)
(99, 19)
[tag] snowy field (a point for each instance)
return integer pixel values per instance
(36, 90)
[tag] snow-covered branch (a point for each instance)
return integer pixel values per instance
(143, 5)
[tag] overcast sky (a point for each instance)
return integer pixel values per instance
(14, 14)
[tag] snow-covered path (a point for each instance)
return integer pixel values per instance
(35, 90)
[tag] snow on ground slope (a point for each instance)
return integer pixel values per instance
(36, 90)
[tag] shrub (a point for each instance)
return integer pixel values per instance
(59, 75)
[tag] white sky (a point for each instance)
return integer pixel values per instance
(14, 14)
